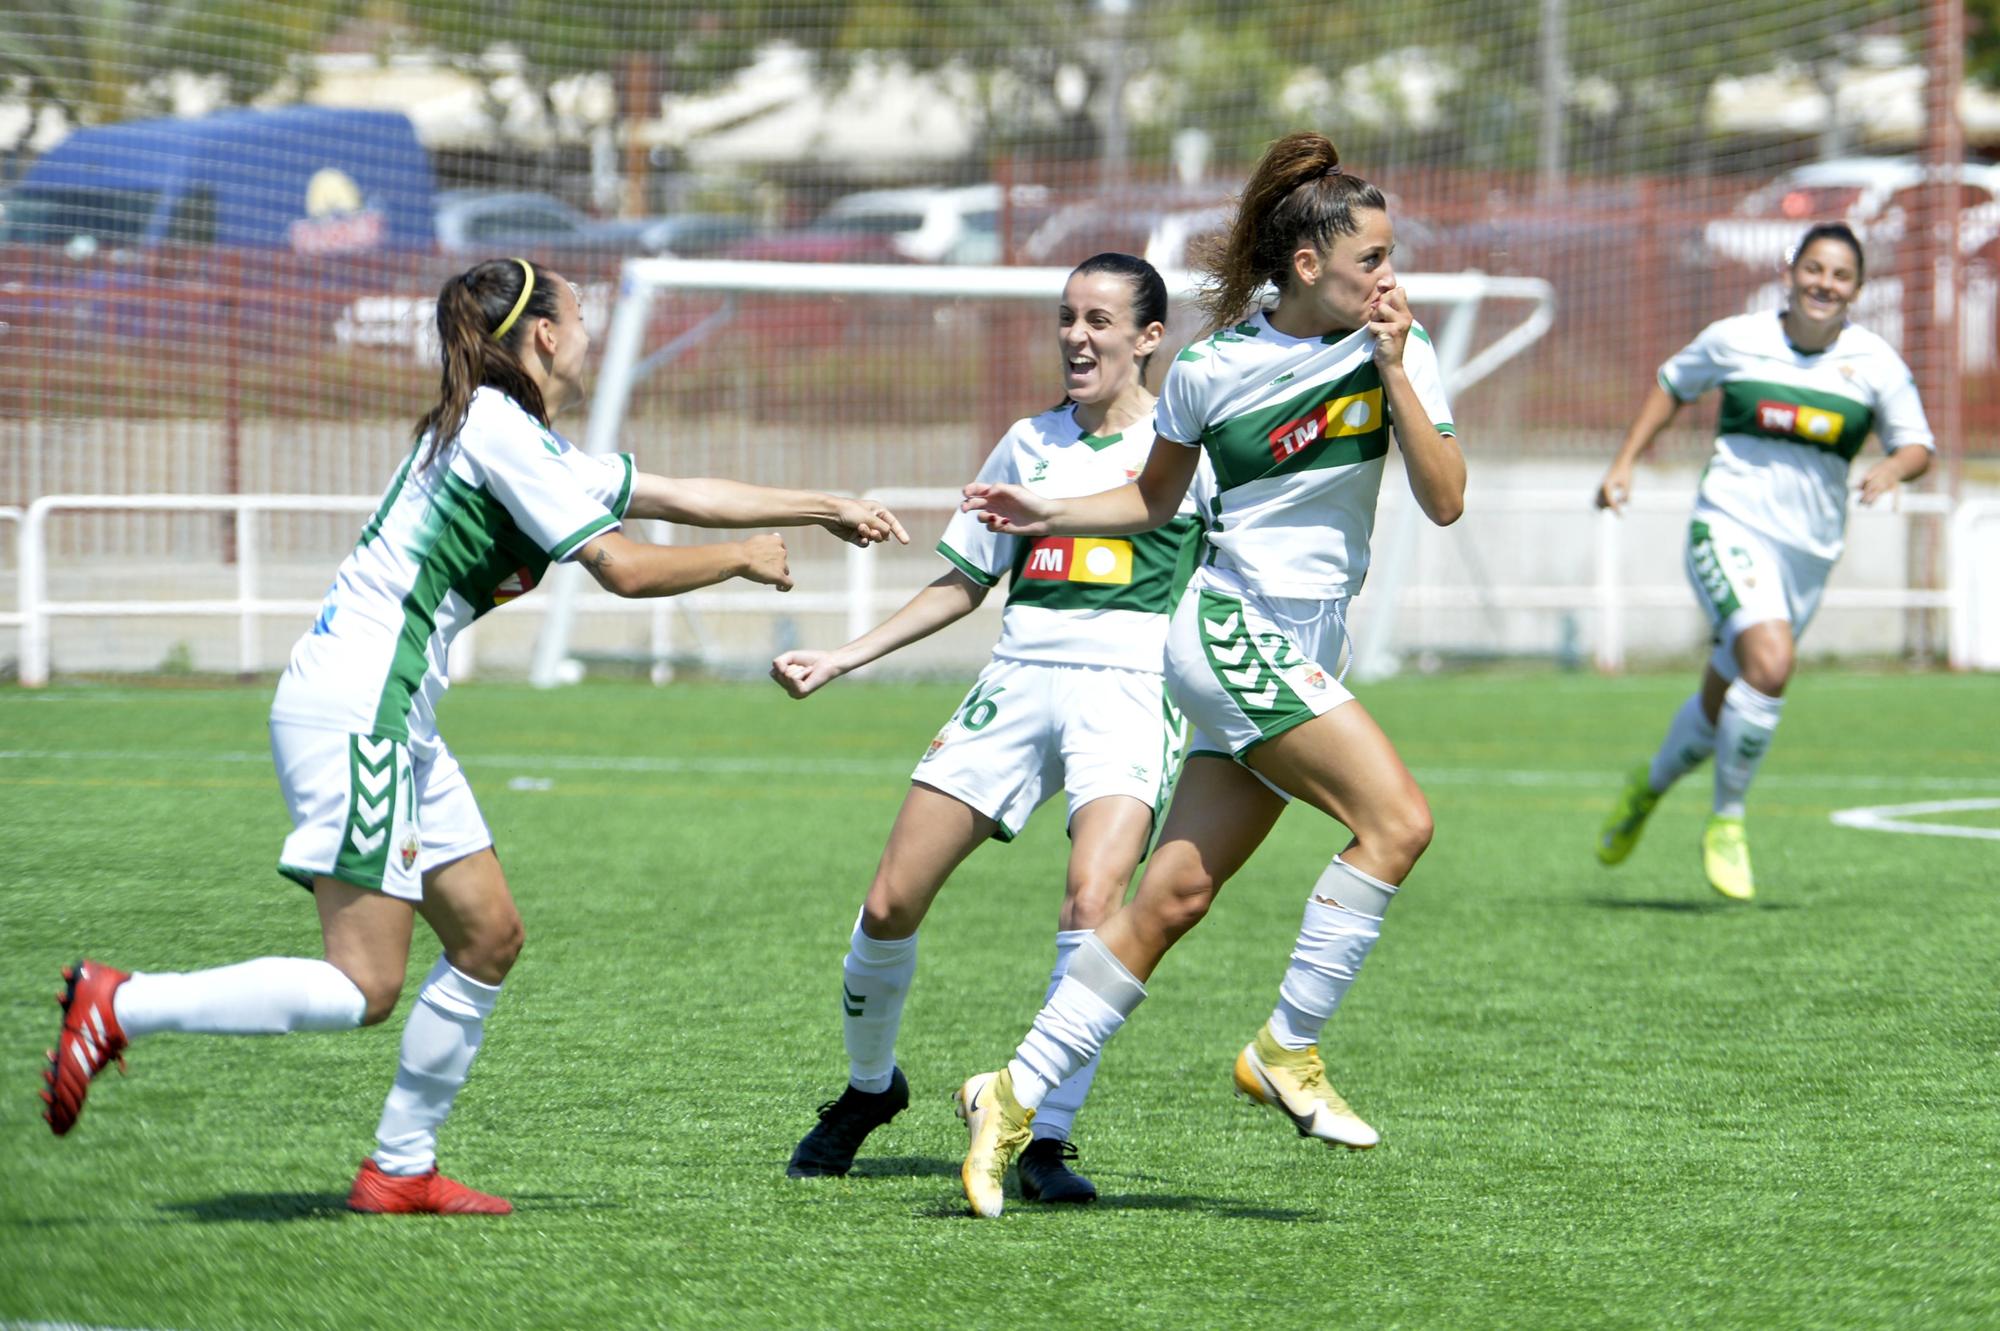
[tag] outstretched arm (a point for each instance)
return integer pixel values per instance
(1147, 503)
(713, 502)
(951, 598)
(1905, 464)
(1655, 414)
(630, 568)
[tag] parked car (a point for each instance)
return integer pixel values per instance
(315, 180)
(1870, 194)
(696, 235)
(484, 222)
(960, 225)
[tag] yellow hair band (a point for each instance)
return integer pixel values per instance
(521, 302)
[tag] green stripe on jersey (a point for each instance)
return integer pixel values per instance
(467, 543)
(374, 527)
(1158, 575)
(1295, 435)
(1791, 414)
(966, 566)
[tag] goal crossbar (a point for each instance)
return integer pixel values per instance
(626, 361)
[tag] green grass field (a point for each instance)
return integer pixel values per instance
(1608, 1098)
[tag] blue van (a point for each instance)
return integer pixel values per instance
(306, 179)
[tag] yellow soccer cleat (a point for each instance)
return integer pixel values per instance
(1725, 858)
(1293, 1081)
(997, 1128)
(1628, 817)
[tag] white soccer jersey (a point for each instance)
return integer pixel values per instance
(452, 540)
(1791, 422)
(1297, 430)
(1079, 600)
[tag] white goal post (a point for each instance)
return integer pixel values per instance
(626, 361)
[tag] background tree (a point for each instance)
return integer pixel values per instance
(104, 60)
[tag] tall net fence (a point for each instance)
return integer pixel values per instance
(224, 225)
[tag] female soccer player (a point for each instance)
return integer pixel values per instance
(385, 827)
(1293, 407)
(1072, 702)
(1801, 390)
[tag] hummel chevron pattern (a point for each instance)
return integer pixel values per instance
(1249, 674)
(364, 854)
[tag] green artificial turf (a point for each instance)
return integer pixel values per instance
(1608, 1098)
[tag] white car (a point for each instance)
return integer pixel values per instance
(959, 225)
(1870, 194)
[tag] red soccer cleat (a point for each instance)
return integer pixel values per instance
(377, 1193)
(90, 1038)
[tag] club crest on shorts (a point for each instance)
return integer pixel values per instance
(937, 742)
(409, 849)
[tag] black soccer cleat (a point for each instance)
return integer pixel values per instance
(828, 1150)
(1047, 1177)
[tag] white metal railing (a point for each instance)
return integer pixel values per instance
(13, 619)
(862, 600)
(1975, 618)
(1605, 596)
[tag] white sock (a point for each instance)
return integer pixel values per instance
(1058, 1110)
(439, 1040)
(1089, 1004)
(1742, 734)
(268, 996)
(874, 980)
(1343, 919)
(1690, 739)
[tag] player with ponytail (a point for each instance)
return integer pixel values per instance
(1296, 406)
(385, 826)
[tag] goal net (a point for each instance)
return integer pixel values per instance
(222, 228)
(892, 381)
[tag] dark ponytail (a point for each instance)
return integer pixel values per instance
(1149, 289)
(470, 308)
(1839, 231)
(1297, 195)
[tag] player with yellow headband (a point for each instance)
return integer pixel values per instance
(385, 826)
(1072, 702)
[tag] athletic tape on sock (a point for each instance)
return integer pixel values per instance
(1093, 966)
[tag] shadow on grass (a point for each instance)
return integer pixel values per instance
(278, 1207)
(904, 1166)
(1684, 905)
(269, 1207)
(1222, 1208)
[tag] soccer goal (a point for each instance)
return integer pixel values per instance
(884, 378)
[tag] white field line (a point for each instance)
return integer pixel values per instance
(56, 1326)
(778, 765)
(1894, 818)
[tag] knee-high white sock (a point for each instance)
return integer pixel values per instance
(1690, 739)
(443, 1033)
(268, 996)
(1058, 1111)
(874, 981)
(1742, 734)
(1343, 919)
(1089, 1004)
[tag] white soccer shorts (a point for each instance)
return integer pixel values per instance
(1246, 667)
(1029, 729)
(372, 811)
(1742, 578)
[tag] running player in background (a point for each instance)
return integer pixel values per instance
(1072, 702)
(385, 827)
(1293, 407)
(1801, 390)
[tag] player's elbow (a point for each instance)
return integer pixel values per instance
(1444, 512)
